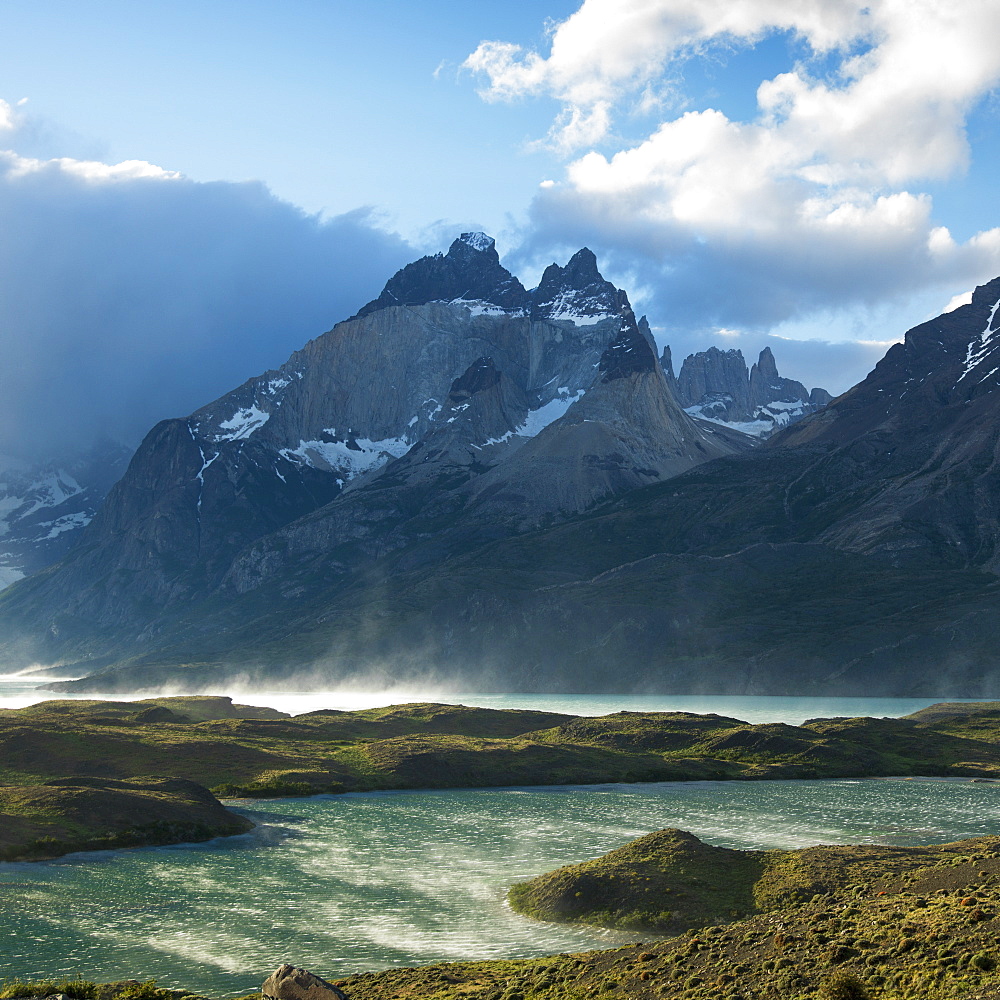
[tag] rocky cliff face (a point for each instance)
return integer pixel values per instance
(715, 385)
(456, 394)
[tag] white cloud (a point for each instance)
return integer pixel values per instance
(812, 202)
(962, 299)
(14, 166)
(8, 119)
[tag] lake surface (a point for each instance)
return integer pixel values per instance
(366, 881)
(18, 690)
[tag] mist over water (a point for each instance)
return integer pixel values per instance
(356, 882)
(20, 690)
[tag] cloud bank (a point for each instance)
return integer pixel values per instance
(129, 293)
(815, 202)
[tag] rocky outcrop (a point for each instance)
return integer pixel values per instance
(767, 386)
(291, 983)
(715, 385)
(717, 382)
(667, 364)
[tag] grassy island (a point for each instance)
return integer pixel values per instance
(91, 814)
(243, 751)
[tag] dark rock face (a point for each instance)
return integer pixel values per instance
(628, 354)
(291, 983)
(481, 374)
(469, 271)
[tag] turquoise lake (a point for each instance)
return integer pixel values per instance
(366, 881)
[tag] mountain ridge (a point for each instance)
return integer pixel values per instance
(527, 541)
(415, 409)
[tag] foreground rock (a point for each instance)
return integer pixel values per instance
(91, 814)
(291, 983)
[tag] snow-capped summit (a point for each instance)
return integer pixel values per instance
(478, 241)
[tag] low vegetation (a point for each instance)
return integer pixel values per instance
(88, 814)
(243, 751)
(831, 923)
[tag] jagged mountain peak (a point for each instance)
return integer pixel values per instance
(629, 353)
(577, 292)
(469, 272)
(766, 364)
(582, 268)
(715, 385)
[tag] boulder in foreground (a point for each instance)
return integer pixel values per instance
(291, 983)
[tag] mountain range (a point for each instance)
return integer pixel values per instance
(508, 489)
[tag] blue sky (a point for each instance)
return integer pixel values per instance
(193, 190)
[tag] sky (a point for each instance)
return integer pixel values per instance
(190, 191)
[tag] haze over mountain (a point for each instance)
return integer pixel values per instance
(491, 485)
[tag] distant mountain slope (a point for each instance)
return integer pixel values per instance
(44, 506)
(455, 398)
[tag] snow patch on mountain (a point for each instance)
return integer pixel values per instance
(480, 307)
(346, 457)
(767, 419)
(537, 420)
(979, 349)
(478, 241)
(242, 424)
(583, 310)
(65, 523)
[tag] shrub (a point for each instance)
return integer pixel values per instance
(843, 985)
